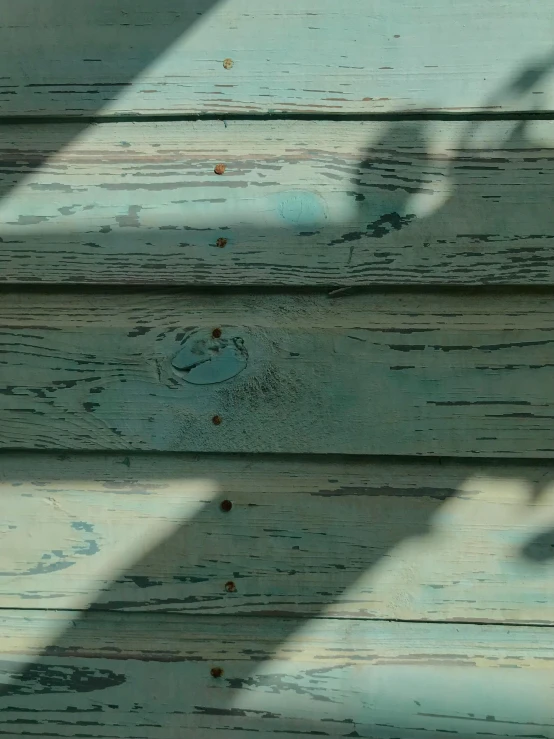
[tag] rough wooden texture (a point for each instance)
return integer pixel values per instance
(109, 675)
(138, 57)
(352, 538)
(311, 203)
(380, 373)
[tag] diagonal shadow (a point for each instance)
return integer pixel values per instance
(62, 680)
(103, 46)
(142, 689)
(80, 233)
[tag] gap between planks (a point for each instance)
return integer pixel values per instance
(155, 615)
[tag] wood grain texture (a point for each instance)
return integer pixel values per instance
(300, 203)
(58, 57)
(380, 373)
(306, 537)
(111, 675)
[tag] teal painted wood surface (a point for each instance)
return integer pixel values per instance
(107, 675)
(299, 203)
(368, 56)
(380, 373)
(304, 536)
(147, 596)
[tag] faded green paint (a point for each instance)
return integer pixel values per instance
(126, 676)
(309, 57)
(300, 203)
(378, 373)
(301, 582)
(367, 539)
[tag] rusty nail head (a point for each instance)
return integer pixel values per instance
(221, 243)
(216, 420)
(219, 168)
(228, 63)
(226, 505)
(216, 333)
(230, 587)
(216, 672)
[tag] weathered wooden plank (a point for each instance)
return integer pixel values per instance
(111, 675)
(300, 203)
(379, 373)
(243, 56)
(356, 538)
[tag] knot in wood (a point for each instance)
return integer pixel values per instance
(208, 357)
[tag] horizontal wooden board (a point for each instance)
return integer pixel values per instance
(110, 675)
(299, 203)
(306, 537)
(379, 373)
(242, 56)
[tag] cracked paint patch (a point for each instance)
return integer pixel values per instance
(206, 359)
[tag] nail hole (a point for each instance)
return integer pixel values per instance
(226, 506)
(216, 672)
(216, 420)
(216, 333)
(221, 243)
(228, 63)
(219, 168)
(230, 587)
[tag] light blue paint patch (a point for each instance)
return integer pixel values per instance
(82, 526)
(205, 360)
(300, 209)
